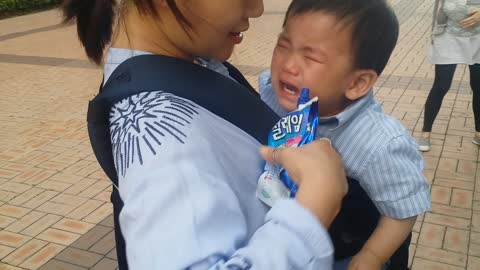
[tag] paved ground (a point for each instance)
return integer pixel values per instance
(54, 210)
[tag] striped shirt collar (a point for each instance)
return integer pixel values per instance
(350, 113)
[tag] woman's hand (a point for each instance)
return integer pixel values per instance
(473, 18)
(319, 173)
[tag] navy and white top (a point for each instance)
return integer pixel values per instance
(456, 45)
(376, 150)
(188, 180)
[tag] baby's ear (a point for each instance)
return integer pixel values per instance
(362, 81)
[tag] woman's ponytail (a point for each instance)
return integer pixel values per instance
(95, 19)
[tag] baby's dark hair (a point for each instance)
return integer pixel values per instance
(374, 27)
(95, 20)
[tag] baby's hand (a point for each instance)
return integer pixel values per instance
(365, 260)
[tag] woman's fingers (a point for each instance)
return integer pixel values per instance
(318, 170)
(270, 154)
(303, 160)
(281, 155)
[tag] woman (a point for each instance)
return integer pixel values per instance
(455, 40)
(186, 176)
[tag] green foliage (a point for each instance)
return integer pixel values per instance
(11, 7)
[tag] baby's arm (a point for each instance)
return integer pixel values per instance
(394, 181)
(385, 240)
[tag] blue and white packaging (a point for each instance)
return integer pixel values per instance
(295, 129)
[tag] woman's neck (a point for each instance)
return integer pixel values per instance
(140, 32)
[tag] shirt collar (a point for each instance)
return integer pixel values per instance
(338, 120)
(214, 65)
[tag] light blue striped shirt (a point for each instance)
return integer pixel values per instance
(376, 150)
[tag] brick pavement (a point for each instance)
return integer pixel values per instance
(54, 210)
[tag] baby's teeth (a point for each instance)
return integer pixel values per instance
(289, 90)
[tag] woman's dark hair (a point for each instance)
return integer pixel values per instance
(95, 20)
(374, 27)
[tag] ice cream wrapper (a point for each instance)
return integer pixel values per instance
(295, 129)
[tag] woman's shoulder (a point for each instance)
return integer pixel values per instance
(153, 129)
(153, 115)
(145, 124)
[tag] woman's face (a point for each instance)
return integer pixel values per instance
(216, 26)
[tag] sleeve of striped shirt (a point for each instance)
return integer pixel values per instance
(394, 179)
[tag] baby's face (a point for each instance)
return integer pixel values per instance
(313, 50)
